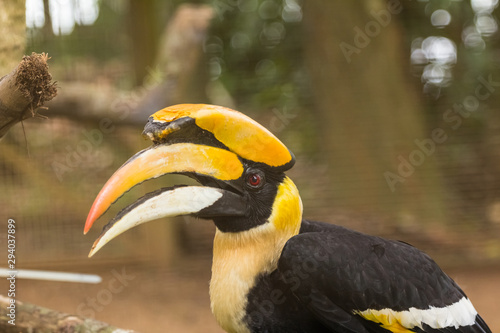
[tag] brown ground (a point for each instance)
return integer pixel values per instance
(166, 300)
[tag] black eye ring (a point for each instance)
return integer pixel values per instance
(255, 179)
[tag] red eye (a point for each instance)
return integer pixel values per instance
(254, 179)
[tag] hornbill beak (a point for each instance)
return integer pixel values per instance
(209, 143)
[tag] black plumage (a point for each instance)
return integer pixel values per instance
(326, 273)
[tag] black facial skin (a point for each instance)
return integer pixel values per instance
(259, 198)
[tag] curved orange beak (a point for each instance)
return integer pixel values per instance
(158, 160)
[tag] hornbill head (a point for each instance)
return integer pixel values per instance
(239, 164)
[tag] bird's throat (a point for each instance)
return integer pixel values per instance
(239, 258)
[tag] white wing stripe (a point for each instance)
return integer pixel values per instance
(461, 313)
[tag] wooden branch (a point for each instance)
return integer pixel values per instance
(83, 101)
(31, 318)
(25, 89)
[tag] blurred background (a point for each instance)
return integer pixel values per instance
(391, 108)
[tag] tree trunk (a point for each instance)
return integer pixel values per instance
(144, 36)
(12, 34)
(370, 114)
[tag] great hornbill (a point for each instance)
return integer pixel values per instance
(272, 270)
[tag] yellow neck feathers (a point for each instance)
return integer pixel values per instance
(286, 214)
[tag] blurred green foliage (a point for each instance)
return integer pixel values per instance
(256, 51)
